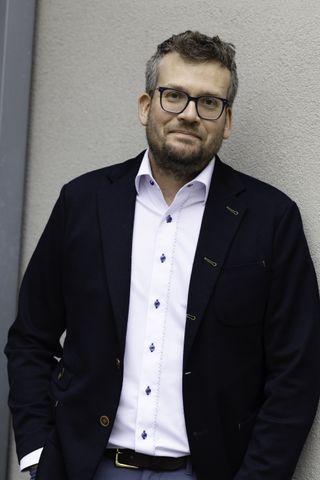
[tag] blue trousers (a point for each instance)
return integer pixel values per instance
(108, 471)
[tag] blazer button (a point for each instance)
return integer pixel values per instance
(118, 363)
(104, 421)
(60, 375)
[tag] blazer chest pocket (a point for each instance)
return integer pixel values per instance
(241, 294)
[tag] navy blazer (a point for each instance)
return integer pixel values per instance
(251, 356)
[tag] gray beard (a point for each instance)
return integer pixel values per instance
(184, 166)
(178, 166)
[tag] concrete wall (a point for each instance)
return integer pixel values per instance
(89, 70)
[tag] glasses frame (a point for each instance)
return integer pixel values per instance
(225, 102)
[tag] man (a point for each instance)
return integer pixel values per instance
(189, 301)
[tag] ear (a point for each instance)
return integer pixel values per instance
(144, 103)
(228, 124)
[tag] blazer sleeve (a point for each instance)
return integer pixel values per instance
(292, 355)
(34, 339)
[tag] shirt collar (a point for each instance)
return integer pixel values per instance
(203, 178)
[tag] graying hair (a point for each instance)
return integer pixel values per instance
(195, 47)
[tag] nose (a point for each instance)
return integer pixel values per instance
(190, 112)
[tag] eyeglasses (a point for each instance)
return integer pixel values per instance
(209, 107)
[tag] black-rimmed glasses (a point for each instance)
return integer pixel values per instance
(209, 107)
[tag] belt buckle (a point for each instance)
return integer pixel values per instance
(122, 465)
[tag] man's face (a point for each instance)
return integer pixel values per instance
(183, 144)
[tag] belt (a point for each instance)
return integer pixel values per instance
(130, 459)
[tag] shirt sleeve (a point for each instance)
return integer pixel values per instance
(31, 459)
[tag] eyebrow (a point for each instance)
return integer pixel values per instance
(202, 94)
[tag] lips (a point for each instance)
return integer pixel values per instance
(186, 132)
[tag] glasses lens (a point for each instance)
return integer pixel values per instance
(210, 107)
(174, 101)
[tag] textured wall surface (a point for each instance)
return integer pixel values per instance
(89, 70)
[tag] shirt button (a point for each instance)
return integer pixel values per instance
(152, 347)
(157, 303)
(151, 182)
(144, 434)
(163, 258)
(148, 390)
(169, 219)
(104, 421)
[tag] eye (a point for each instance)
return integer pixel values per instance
(211, 103)
(173, 96)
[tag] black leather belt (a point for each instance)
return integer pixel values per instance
(124, 458)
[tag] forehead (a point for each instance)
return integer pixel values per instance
(194, 77)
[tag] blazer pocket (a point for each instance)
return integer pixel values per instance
(241, 294)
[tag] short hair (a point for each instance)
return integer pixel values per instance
(196, 47)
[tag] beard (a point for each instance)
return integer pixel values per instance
(185, 160)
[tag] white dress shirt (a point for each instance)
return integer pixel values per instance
(150, 416)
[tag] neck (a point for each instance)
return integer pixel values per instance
(169, 183)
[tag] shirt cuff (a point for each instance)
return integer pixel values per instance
(30, 459)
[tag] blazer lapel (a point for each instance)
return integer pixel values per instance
(116, 205)
(222, 216)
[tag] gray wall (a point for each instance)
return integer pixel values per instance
(89, 70)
